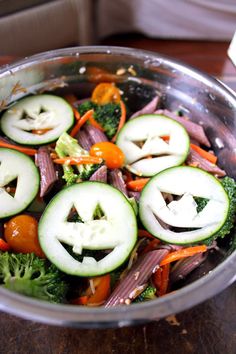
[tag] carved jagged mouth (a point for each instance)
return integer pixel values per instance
(11, 187)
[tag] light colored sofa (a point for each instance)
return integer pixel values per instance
(32, 26)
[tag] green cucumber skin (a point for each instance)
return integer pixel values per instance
(41, 141)
(43, 241)
(176, 242)
(37, 181)
(156, 116)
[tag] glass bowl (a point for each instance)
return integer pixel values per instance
(140, 75)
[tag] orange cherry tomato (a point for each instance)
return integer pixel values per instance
(102, 287)
(21, 234)
(105, 93)
(111, 153)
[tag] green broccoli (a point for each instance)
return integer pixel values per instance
(148, 294)
(31, 276)
(68, 146)
(230, 188)
(107, 115)
(201, 203)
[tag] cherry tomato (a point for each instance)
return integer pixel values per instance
(21, 234)
(111, 153)
(105, 93)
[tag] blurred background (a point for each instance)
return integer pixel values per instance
(32, 26)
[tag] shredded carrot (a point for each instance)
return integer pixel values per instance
(122, 120)
(82, 160)
(205, 154)
(144, 233)
(164, 279)
(137, 185)
(4, 245)
(25, 150)
(183, 253)
(82, 300)
(157, 279)
(81, 122)
(151, 246)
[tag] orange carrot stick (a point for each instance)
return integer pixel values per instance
(71, 99)
(81, 122)
(151, 246)
(137, 185)
(82, 300)
(122, 120)
(93, 122)
(205, 154)
(164, 279)
(183, 253)
(25, 150)
(82, 160)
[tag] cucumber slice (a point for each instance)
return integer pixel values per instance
(116, 230)
(141, 137)
(39, 112)
(186, 183)
(15, 165)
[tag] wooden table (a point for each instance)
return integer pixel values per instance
(209, 328)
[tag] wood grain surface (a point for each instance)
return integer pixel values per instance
(209, 328)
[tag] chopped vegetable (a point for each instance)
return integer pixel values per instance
(105, 93)
(205, 154)
(107, 115)
(31, 276)
(184, 252)
(122, 120)
(148, 294)
(110, 153)
(138, 184)
(81, 122)
(66, 146)
(27, 151)
(38, 112)
(17, 170)
(21, 234)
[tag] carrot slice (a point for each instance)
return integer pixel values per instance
(82, 160)
(102, 290)
(27, 151)
(137, 185)
(81, 122)
(205, 154)
(122, 120)
(4, 245)
(183, 253)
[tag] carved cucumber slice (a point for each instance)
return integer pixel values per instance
(48, 113)
(184, 183)
(116, 230)
(18, 167)
(142, 137)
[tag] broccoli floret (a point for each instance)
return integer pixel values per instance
(31, 276)
(201, 203)
(229, 186)
(107, 115)
(148, 294)
(68, 146)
